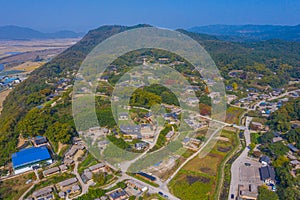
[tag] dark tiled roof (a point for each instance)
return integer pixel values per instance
(267, 172)
(292, 147)
(265, 159)
(40, 140)
(152, 178)
(117, 194)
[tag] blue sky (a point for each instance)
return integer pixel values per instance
(82, 15)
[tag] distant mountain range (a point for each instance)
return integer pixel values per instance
(23, 33)
(250, 32)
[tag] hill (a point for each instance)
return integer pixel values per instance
(250, 32)
(23, 103)
(23, 33)
(33, 91)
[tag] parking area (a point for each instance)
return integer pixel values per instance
(250, 174)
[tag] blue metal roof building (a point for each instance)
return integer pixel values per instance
(147, 176)
(26, 158)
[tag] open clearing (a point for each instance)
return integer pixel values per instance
(233, 114)
(15, 187)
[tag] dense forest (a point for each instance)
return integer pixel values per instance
(277, 60)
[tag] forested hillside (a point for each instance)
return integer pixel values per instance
(25, 108)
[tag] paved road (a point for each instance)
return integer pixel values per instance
(84, 187)
(283, 95)
(151, 189)
(235, 167)
(125, 165)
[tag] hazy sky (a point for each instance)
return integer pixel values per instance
(82, 15)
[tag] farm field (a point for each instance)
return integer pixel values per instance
(200, 177)
(14, 188)
(233, 114)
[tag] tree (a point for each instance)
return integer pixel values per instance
(278, 148)
(252, 146)
(280, 161)
(99, 178)
(265, 194)
(293, 136)
(35, 122)
(206, 90)
(235, 86)
(266, 137)
(59, 132)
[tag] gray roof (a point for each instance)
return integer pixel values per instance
(265, 159)
(72, 152)
(141, 145)
(123, 114)
(87, 175)
(67, 182)
(256, 123)
(40, 140)
(68, 161)
(50, 171)
(42, 192)
(61, 194)
(292, 147)
(295, 162)
(75, 187)
(267, 172)
(186, 140)
(117, 193)
(97, 166)
(63, 167)
(78, 146)
(170, 134)
(131, 129)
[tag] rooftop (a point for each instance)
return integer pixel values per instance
(265, 159)
(51, 171)
(292, 147)
(67, 182)
(40, 140)
(42, 192)
(152, 178)
(117, 193)
(267, 172)
(29, 156)
(97, 166)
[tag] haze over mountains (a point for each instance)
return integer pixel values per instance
(23, 33)
(237, 33)
(250, 32)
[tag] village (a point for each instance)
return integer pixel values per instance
(80, 170)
